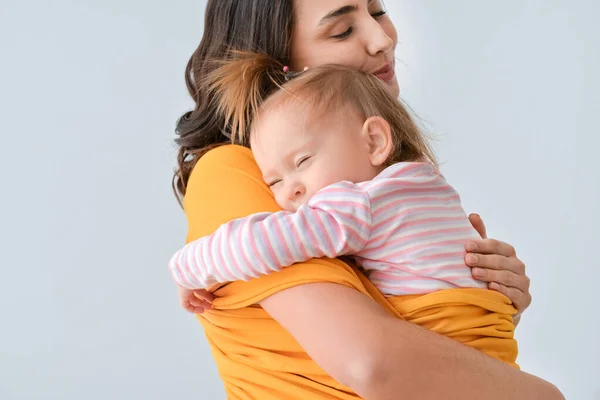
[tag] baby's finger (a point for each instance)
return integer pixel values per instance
(192, 309)
(195, 302)
(197, 308)
(204, 295)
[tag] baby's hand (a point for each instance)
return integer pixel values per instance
(195, 301)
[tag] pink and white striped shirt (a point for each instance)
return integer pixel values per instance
(406, 227)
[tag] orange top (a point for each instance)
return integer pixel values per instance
(256, 357)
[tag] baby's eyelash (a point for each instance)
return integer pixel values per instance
(302, 160)
(274, 183)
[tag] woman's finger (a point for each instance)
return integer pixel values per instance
(478, 224)
(503, 277)
(488, 261)
(490, 246)
(519, 299)
(514, 286)
(496, 262)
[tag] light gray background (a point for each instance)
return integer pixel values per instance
(90, 91)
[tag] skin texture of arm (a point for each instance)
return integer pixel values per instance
(382, 357)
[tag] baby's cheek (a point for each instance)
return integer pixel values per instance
(279, 199)
(324, 179)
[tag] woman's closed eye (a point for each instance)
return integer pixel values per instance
(344, 35)
(349, 31)
(379, 14)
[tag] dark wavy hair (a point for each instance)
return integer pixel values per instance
(263, 26)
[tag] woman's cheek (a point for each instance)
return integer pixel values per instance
(343, 53)
(390, 30)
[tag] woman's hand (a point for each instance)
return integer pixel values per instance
(497, 263)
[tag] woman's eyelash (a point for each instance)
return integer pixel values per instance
(345, 34)
(349, 30)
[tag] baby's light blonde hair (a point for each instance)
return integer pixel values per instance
(238, 88)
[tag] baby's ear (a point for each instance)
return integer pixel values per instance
(379, 136)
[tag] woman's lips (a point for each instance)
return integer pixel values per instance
(386, 73)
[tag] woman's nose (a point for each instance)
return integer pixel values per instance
(377, 40)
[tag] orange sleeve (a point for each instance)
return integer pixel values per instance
(226, 184)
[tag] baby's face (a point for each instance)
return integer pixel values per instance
(301, 150)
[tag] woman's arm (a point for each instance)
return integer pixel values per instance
(381, 357)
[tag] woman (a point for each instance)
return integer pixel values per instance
(320, 330)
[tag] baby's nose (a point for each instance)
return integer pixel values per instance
(297, 191)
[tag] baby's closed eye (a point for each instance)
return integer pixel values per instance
(273, 183)
(303, 160)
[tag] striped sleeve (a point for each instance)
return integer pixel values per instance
(335, 222)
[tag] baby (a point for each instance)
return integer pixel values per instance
(356, 177)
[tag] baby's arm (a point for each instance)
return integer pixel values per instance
(335, 222)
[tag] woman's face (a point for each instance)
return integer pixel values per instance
(354, 33)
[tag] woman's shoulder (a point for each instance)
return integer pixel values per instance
(228, 156)
(225, 184)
